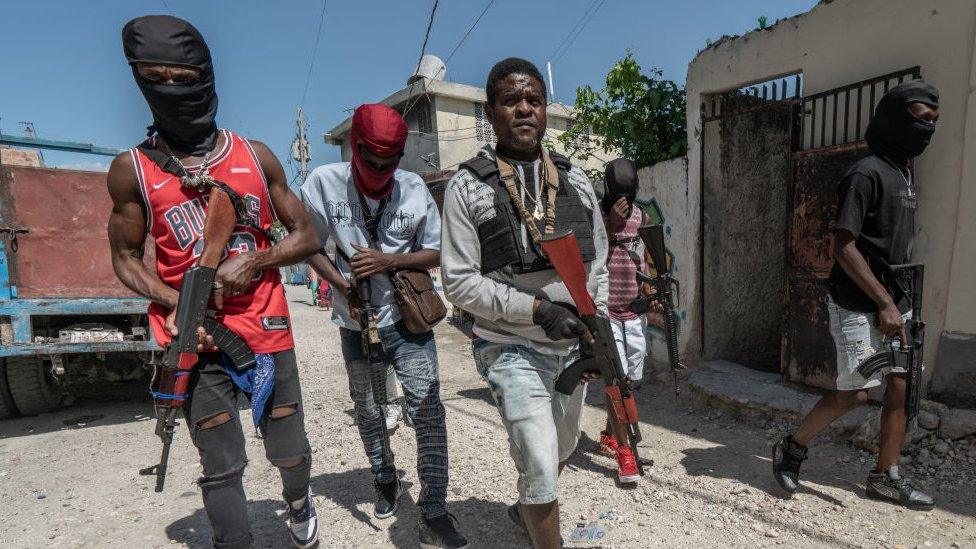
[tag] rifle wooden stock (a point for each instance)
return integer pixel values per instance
(563, 252)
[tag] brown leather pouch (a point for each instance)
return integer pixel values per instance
(420, 306)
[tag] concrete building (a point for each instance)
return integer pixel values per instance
(447, 122)
(18, 157)
(775, 118)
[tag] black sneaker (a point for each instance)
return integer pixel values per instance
(387, 497)
(787, 458)
(440, 533)
(893, 488)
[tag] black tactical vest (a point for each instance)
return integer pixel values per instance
(501, 236)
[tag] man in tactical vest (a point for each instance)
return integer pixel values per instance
(495, 209)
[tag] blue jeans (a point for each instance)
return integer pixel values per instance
(543, 424)
(414, 359)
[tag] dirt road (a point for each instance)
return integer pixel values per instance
(69, 479)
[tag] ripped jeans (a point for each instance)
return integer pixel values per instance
(221, 447)
(414, 359)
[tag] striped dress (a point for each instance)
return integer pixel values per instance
(625, 247)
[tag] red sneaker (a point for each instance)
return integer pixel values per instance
(608, 444)
(627, 463)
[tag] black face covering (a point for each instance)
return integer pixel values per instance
(183, 114)
(620, 179)
(894, 132)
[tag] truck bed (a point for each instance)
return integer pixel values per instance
(65, 254)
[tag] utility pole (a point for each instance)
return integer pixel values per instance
(300, 149)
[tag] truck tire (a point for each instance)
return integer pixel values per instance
(7, 408)
(32, 387)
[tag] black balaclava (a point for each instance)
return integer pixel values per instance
(620, 179)
(183, 114)
(894, 132)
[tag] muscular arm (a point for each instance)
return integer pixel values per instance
(856, 267)
(127, 235)
(301, 241)
(323, 266)
(237, 272)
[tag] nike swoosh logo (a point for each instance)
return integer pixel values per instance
(161, 183)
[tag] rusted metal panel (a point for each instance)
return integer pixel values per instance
(809, 351)
(66, 253)
(808, 348)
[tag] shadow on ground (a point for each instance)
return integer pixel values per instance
(742, 452)
(478, 519)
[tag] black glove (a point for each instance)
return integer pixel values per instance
(558, 321)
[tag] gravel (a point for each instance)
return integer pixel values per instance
(710, 485)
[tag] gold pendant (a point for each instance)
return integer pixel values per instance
(538, 214)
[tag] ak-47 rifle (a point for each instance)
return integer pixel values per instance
(905, 354)
(600, 356)
(666, 288)
(372, 349)
(172, 377)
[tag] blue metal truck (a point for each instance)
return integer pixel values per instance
(65, 320)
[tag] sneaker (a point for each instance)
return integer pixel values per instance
(387, 498)
(608, 444)
(895, 489)
(303, 523)
(787, 458)
(392, 413)
(627, 465)
(440, 533)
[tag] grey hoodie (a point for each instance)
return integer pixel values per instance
(501, 301)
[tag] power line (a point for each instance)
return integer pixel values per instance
(578, 32)
(573, 29)
(471, 28)
(165, 5)
(311, 62)
(423, 49)
(430, 23)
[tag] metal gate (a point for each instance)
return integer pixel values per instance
(828, 138)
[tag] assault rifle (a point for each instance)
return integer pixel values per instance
(905, 354)
(601, 355)
(171, 378)
(372, 349)
(666, 288)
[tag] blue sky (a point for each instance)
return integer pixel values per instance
(62, 66)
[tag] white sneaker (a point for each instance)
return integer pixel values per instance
(304, 524)
(393, 413)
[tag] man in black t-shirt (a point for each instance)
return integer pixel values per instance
(875, 228)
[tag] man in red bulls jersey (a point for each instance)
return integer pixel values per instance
(172, 67)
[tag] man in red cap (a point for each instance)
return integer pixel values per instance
(383, 219)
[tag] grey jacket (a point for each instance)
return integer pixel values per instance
(501, 301)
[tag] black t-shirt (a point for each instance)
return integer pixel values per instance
(877, 205)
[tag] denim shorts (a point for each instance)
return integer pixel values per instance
(543, 425)
(856, 337)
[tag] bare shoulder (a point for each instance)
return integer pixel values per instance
(121, 178)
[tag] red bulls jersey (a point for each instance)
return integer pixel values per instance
(176, 218)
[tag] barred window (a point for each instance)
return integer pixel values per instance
(482, 127)
(424, 123)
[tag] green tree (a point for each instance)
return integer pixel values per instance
(640, 115)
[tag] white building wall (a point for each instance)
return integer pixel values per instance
(846, 41)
